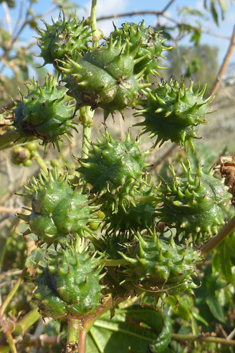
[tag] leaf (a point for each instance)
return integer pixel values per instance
(196, 36)
(214, 12)
(187, 10)
(215, 308)
(223, 5)
(130, 330)
(226, 265)
(198, 317)
(180, 309)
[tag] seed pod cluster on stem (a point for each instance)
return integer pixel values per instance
(126, 253)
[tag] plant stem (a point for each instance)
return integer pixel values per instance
(224, 65)
(10, 341)
(27, 321)
(40, 161)
(219, 237)
(95, 30)
(86, 118)
(118, 262)
(177, 337)
(74, 328)
(107, 304)
(146, 198)
(86, 114)
(12, 293)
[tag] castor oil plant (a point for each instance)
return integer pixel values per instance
(113, 236)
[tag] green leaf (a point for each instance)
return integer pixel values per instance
(226, 265)
(187, 10)
(132, 329)
(223, 5)
(196, 36)
(179, 309)
(214, 12)
(215, 308)
(198, 317)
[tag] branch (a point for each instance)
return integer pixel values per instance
(177, 337)
(160, 13)
(224, 65)
(167, 6)
(219, 237)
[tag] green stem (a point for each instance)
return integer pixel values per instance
(219, 237)
(177, 337)
(10, 341)
(146, 198)
(96, 32)
(74, 328)
(12, 292)
(40, 161)
(86, 114)
(107, 304)
(28, 320)
(86, 140)
(118, 262)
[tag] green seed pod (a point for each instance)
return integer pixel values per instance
(113, 169)
(104, 77)
(194, 204)
(20, 155)
(44, 113)
(160, 266)
(148, 42)
(63, 37)
(57, 209)
(134, 217)
(68, 284)
(173, 112)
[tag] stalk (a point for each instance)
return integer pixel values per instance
(86, 118)
(96, 32)
(12, 293)
(219, 237)
(10, 341)
(74, 329)
(86, 114)
(40, 161)
(28, 320)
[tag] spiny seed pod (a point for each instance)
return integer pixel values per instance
(57, 209)
(105, 77)
(135, 217)
(173, 112)
(148, 42)
(68, 284)
(194, 203)
(63, 37)
(160, 266)
(44, 113)
(113, 169)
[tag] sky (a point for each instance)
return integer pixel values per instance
(108, 7)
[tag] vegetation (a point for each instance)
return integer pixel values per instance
(108, 253)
